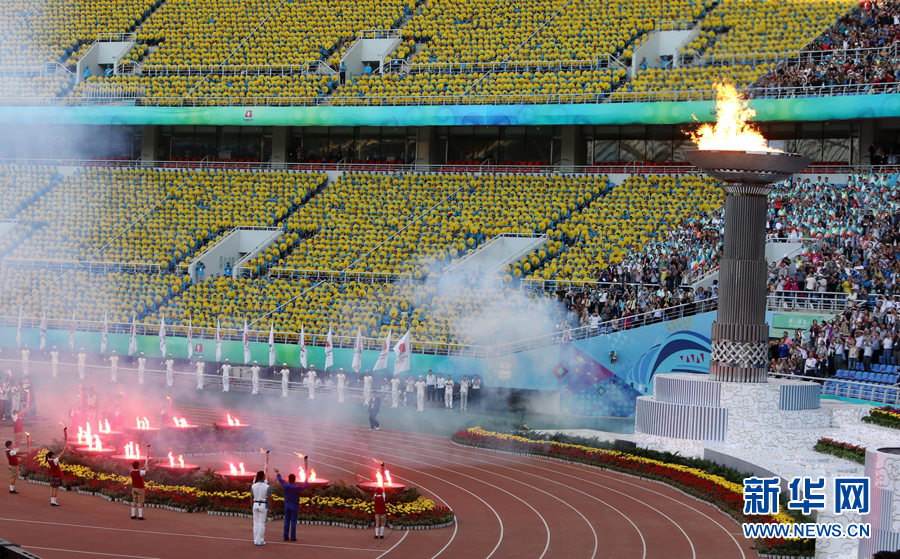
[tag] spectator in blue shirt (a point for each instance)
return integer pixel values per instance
(291, 503)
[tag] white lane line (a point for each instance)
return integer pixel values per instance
(244, 540)
(405, 533)
(87, 552)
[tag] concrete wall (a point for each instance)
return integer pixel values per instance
(233, 247)
(660, 43)
(368, 50)
(101, 54)
(497, 253)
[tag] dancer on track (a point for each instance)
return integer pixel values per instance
(254, 377)
(374, 408)
(170, 370)
(142, 367)
(367, 388)
(54, 362)
(341, 385)
(285, 378)
(113, 367)
(420, 394)
(200, 373)
(226, 376)
(395, 391)
(82, 361)
(311, 383)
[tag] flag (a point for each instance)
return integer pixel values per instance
(19, 330)
(403, 352)
(271, 344)
(132, 343)
(357, 351)
(43, 330)
(302, 348)
(329, 350)
(383, 356)
(72, 332)
(218, 340)
(162, 335)
(105, 336)
(246, 343)
(190, 338)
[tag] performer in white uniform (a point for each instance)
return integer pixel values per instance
(285, 378)
(200, 377)
(420, 394)
(395, 391)
(311, 380)
(254, 377)
(448, 393)
(142, 367)
(54, 361)
(341, 385)
(226, 376)
(170, 370)
(464, 393)
(82, 359)
(113, 367)
(367, 388)
(26, 353)
(261, 493)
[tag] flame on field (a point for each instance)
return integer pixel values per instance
(233, 422)
(387, 478)
(733, 130)
(312, 475)
(180, 422)
(95, 443)
(301, 475)
(379, 481)
(172, 460)
(235, 471)
(103, 426)
(133, 451)
(142, 423)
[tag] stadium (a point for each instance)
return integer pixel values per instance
(601, 279)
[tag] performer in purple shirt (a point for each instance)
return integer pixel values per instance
(291, 503)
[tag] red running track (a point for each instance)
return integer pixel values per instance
(506, 506)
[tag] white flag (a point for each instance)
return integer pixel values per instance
(383, 356)
(19, 330)
(271, 344)
(105, 337)
(162, 335)
(218, 340)
(246, 343)
(329, 350)
(190, 338)
(357, 351)
(302, 348)
(43, 330)
(132, 343)
(403, 352)
(72, 332)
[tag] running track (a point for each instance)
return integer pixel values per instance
(506, 506)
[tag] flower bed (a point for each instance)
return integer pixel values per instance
(724, 494)
(846, 451)
(205, 491)
(886, 416)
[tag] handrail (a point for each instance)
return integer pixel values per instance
(379, 34)
(867, 390)
(338, 275)
(236, 333)
(90, 266)
(633, 168)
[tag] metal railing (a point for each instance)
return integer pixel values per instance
(235, 333)
(655, 316)
(88, 266)
(538, 284)
(336, 275)
(808, 300)
(379, 34)
(308, 67)
(604, 61)
(872, 392)
(676, 25)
